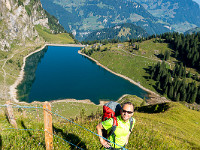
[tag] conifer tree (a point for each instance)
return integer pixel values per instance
(166, 90)
(170, 93)
(180, 70)
(198, 96)
(183, 87)
(166, 55)
(177, 97)
(189, 74)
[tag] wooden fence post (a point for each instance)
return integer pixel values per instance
(10, 115)
(48, 126)
(38, 117)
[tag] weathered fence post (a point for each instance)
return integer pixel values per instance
(48, 126)
(38, 117)
(10, 115)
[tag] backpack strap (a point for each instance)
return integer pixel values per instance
(113, 128)
(131, 123)
(112, 131)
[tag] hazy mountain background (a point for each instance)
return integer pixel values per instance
(81, 17)
(193, 30)
(197, 1)
(180, 15)
(121, 32)
(84, 16)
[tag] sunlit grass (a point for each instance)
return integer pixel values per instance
(126, 64)
(62, 38)
(176, 128)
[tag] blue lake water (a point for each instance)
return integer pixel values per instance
(60, 73)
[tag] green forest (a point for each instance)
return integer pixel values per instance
(173, 79)
(173, 83)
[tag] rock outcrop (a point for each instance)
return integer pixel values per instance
(17, 21)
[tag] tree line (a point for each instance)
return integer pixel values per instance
(173, 83)
(186, 47)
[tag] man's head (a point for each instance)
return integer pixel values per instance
(127, 111)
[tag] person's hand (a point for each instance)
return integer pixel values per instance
(105, 143)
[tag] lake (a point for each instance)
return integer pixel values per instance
(59, 72)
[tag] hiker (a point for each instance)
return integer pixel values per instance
(123, 129)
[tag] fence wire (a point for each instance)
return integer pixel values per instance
(32, 107)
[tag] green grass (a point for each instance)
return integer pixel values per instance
(134, 99)
(62, 38)
(135, 64)
(74, 109)
(126, 64)
(176, 128)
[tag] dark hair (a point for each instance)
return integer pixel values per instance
(127, 103)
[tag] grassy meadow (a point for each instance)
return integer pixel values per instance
(168, 126)
(122, 59)
(175, 127)
(62, 38)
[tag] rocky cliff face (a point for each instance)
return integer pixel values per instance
(17, 20)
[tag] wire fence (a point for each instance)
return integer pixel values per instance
(32, 107)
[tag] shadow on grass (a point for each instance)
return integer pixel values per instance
(71, 138)
(31, 135)
(157, 108)
(23, 126)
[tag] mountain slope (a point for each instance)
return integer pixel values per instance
(18, 19)
(193, 30)
(83, 17)
(121, 32)
(181, 15)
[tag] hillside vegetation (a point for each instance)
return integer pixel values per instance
(120, 32)
(163, 126)
(162, 64)
(62, 38)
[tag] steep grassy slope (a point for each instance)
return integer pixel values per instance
(62, 38)
(176, 128)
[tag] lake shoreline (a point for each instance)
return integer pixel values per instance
(153, 97)
(13, 88)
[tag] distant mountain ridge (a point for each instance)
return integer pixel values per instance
(194, 30)
(83, 17)
(180, 15)
(120, 32)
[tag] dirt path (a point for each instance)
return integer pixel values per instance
(157, 60)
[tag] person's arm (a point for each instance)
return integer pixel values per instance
(105, 143)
